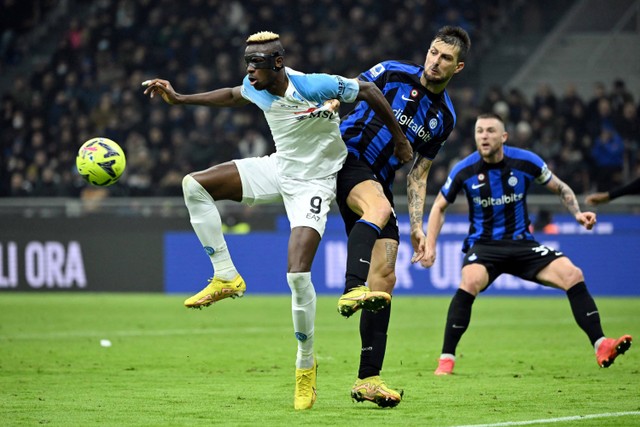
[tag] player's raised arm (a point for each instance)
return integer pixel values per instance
(225, 97)
(370, 93)
(570, 201)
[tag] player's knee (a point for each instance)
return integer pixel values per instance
(472, 287)
(187, 185)
(192, 190)
(379, 213)
(302, 289)
(572, 276)
(567, 277)
(298, 281)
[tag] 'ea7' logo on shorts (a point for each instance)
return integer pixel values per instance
(314, 217)
(544, 250)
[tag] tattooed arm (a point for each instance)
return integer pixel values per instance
(570, 201)
(416, 197)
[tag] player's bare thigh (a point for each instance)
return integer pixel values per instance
(382, 275)
(367, 199)
(221, 181)
(561, 273)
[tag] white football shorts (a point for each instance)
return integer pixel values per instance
(307, 202)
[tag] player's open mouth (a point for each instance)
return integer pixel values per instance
(252, 80)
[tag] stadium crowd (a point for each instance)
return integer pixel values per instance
(91, 87)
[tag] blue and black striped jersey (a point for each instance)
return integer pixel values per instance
(496, 193)
(426, 118)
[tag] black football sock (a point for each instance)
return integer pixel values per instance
(585, 311)
(458, 319)
(373, 333)
(360, 243)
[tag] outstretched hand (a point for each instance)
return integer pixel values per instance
(597, 198)
(586, 219)
(417, 241)
(425, 256)
(162, 88)
(421, 252)
(429, 257)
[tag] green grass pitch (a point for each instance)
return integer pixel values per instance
(522, 360)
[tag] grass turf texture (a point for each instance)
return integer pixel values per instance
(233, 363)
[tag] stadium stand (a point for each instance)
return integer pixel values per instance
(72, 70)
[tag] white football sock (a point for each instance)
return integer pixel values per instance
(303, 308)
(596, 344)
(207, 224)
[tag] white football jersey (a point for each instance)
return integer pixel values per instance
(306, 134)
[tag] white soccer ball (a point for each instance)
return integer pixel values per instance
(101, 161)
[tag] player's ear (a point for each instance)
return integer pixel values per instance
(459, 67)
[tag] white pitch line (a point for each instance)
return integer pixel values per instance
(556, 420)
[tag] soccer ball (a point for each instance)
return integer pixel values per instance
(100, 161)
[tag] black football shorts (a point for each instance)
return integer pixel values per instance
(521, 258)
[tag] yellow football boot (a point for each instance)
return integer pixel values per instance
(305, 393)
(373, 389)
(362, 298)
(217, 290)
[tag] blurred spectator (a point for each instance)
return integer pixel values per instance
(571, 161)
(628, 126)
(494, 94)
(608, 158)
(599, 93)
(518, 106)
(569, 100)
(575, 119)
(544, 98)
(548, 147)
(619, 96)
(501, 108)
(601, 118)
(523, 136)
(19, 187)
